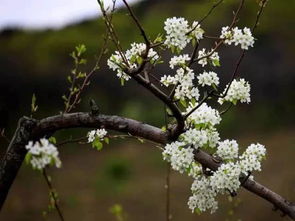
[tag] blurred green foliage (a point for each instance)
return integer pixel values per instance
(38, 62)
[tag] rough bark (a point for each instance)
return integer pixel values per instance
(14, 156)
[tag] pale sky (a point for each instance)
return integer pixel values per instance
(39, 14)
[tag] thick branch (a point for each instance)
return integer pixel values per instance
(29, 129)
(86, 120)
(14, 156)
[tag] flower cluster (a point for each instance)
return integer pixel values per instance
(204, 116)
(134, 57)
(197, 31)
(226, 179)
(179, 33)
(41, 154)
(208, 57)
(239, 90)
(200, 138)
(208, 78)
(251, 159)
(238, 37)
(99, 134)
(179, 155)
(227, 149)
(184, 80)
(179, 61)
(203, 197)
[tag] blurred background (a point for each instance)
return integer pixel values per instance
(34, 58)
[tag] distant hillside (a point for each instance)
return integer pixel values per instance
(38, 62)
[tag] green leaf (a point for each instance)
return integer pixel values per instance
(193, 101)
(183, 102)
(97, 144)
(215, 87)
(28, 158)
(80, 49)
(194, 42)
(106, 140)
(172, 49)
(52, 140)
(34, 107)
(83, 61)
(159, 38)
(198, 211)
(169, 112)
(139, 60)
(216, 62)
(140, 140)
(122, 81)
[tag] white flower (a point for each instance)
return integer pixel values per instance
(239, 90)
(227, 35)
(99, 133)
(195, 170)
(251, 159)
(228, 149)
(200, 138)
(205, 57)
(168, 80)
(176, 29)
(203, 116)
(208, 78)
(179, 155)
(238, 37)
(137, 50)
(203, 197)
(184, 78)
(134, 59)
(213, 137)
(198, 31)
(226, 178)
(179, 60)
(42, 153)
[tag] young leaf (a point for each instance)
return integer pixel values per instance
(106, 140)
(52, 140)
(97, 144)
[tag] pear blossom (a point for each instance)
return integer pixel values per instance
(237, 36)
(239, 90)
(176, 29)
(208, 78)
(99, 133)
(42, 153)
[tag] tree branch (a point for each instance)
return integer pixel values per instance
(14, 156)
(30, 129)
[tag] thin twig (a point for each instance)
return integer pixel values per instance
(2, 134)
(199, 104)
(244, 51)
(167, 187)
(210, 11)
(113, 34)
(204, 18)
(137, 23)
(263, 4)
(52, 193)
(227, 109)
